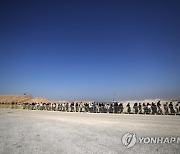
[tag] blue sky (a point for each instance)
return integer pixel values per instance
(90, 50)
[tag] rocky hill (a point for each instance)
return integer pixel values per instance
(22, 98)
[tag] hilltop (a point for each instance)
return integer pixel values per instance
(22, 98)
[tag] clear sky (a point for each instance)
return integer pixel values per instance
(90, 50)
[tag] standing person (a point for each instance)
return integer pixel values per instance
(135, 108)
(159, 109)
(90, 107)
(177, 107)
(50, 106)
(128, 108)
(171, 108)
(57, 106)
(80, 106)
(33, 106)
(121, 108)
(166, 108)
(107, 107)
(111, 108)
(44, 106)
(54, 106)
(154, 108)
(67, 107)
(115, 107)
(60, 106)
(83, 107)
(140, 108)
(63, 106)
(38, 106)
(77, 107)
(29, 106)
(98, 107)
(103, 108)
(94, 107)
(118, 107)
(24, 105)
(72, 106)
(41, 106)
(145, 108)
(149, 108)
(12, 105)
(86, 107)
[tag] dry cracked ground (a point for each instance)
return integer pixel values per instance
(48, 132)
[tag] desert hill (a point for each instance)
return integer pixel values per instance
(22, 98)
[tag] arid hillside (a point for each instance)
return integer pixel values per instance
(22, 98)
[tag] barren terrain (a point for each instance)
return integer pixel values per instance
(42, 132)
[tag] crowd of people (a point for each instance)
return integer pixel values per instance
(98, 107)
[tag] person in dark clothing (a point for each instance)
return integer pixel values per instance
(128, 108)
(81, 107)
(135, 108)
(149, 108)
(145, 108)
(94, 107)
(33, 106)
(121, 108)
(72, 107)
(86, 107)
(99, 107)
(159, 110)
(54, 107)
(154, 108)
(59, 107)
(77, 107)
(171, 108)
(115, 107)
(166, 108)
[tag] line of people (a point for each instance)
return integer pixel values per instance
(154, 108)
(98, 107)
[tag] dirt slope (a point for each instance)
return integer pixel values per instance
(22, 98)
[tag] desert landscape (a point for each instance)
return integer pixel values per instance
(26, 129)
(155, 106)
(90, 77)
(37, 132)
(23, 98)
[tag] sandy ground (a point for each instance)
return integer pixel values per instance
(43, 132)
